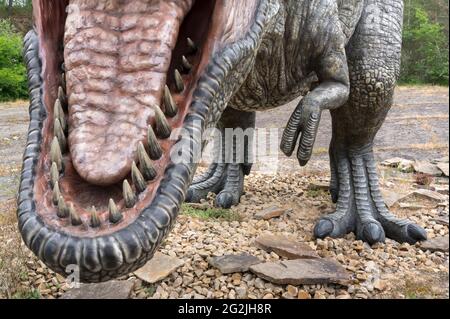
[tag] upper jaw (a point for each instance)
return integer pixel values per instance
(103, 244)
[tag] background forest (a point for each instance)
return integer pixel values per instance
(425, 49)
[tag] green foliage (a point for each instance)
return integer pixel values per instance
(425, 51)
(13, 81)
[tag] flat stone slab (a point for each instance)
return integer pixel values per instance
(391, 198)
(158, 268)
(427, 168)
(270, 213)
(285, 247)
(398, 162)
(444, 167)
(429, 194)
(319, 186)
(302, 272)
(231, 264)
(436, 244)
(107, 290)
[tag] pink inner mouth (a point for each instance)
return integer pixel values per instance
(117, 57)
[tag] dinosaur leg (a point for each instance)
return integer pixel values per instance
(225, 177)
(374, 62)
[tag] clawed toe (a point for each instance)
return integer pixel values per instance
(323, 229)
(416, 233)
(225, 200)
(373, 233)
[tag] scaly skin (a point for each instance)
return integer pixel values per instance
(344, 44)
(341, 55)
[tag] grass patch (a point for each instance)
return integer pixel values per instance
(30, 294)
(210, 213)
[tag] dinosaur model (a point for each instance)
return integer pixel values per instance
(113, 83)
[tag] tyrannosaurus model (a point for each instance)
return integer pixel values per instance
(112, 81)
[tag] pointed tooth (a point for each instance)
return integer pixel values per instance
(145, 164)
(75, 219)
(56, 194)
(95, 219)
(163, 129)
(54, 175)
(56, 155)
(154, 148)
(179, 81)
(128, 195)
(58, 113)
(62, 96)
(59, 133)
(63, 210)
(170, 106)
(187, 66)
(115, 215)
(138, 179)
(192, 46)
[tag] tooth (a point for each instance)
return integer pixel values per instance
(170, 106)
(54, 175)
(138, 179)
(56, 194)
(75, 219)
(56, 155)
(63, 210)
(59, 133)
(186, 64)
(192, 46)
(163, 129)
(179, 81)
(128, 195)
(115, 215)
(95, 219)
(58, 113)
(155, 150)
(145, 164)
(62, 96)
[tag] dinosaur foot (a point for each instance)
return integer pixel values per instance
(225, 180)
(360, 205)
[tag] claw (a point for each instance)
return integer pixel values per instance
(224, 200)
(417, 233)
(323, 229)
(373, 234)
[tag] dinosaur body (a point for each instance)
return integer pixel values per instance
(105, 171)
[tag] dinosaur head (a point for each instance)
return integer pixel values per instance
(121, 92)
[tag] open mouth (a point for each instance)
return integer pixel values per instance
(112, 83)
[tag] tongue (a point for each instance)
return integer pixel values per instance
(117, 55)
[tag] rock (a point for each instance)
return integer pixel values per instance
(391, 198)
(319, 186)
(158, 268)
(302, 272)
(234, 263)
(427, 168)
(441, 220)
(436, 244)
(285, 247)
(106, 290)
(400, 163)
(428, 194)
(380, 285)
(444, 168)
(303, 294)
(270, 213)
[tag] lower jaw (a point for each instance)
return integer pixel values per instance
(114, 249)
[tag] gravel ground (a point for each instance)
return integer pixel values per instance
(384, 271)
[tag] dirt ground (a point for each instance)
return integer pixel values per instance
(416, 128)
